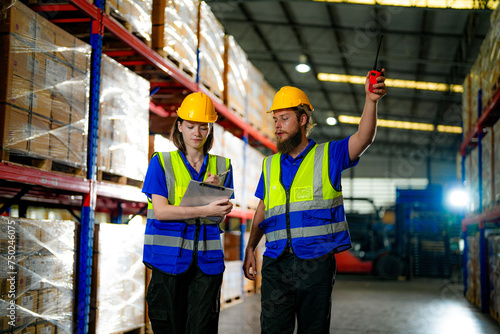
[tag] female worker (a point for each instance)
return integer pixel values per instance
(181, 246)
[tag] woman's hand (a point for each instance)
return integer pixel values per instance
(219, 208)
(212, 179)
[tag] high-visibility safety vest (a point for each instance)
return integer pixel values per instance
(170, 245)
(310, 215)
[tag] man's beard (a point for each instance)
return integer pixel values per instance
(288, 145)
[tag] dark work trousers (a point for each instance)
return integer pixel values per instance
(184, 304)
(295, 287)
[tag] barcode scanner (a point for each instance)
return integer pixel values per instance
(374, 74)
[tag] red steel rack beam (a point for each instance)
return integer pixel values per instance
(488, 116)
(491, 215)
(30, 175)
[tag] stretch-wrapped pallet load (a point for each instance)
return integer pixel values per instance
(136, 15)
(494, 274)
(487, 170)
(496, 162)
(45, 90)
(233, 148)
(175, 29)
(232, 288)
(466, 105)
(37, 259)
(211, 68)
(123, 121)
(472, 162)
(252, 175)
(256, 107)
(490, 64)
(235, 76)
(473, 282)
(121, 278)
(267, 119)
(475, 86)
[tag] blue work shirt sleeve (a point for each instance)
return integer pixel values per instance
(339, 160)
(259, 193)
(155, 181)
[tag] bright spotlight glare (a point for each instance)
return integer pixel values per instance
(458, 198)
(302, 68)
(331, 121)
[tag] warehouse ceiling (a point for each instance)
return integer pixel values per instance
(420, 44)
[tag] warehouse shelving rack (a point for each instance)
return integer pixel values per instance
(486, 118)
(47, 187)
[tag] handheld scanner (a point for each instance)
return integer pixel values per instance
(374, 74)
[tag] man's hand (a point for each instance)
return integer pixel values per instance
(249, 267)
(380, 89)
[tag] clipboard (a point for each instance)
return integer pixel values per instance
(199, 193)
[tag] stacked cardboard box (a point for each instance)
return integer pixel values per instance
(123, 121)
(43, 104)
(175, 32)
(473, 280)
(121, 278)
(257, 106)
(267, 101)
(494, 274)
(211, 46)
(39, 257)
(487, 170)
(235, 76)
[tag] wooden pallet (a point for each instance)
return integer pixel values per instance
(113, 13)
(119, 179)
(211, 89)
(43, 163)
(138, 330)
(230, 302)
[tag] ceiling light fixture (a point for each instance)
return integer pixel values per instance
(453, 4)
(403, 125)
(302, 66)
(396, 83)
(331, 121)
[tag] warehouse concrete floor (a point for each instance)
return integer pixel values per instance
(364, 304)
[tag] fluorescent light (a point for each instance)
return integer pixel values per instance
(397, 83)
(454, 4)
(331, 121)
(386, 123)
(302, 68)
(449, 129)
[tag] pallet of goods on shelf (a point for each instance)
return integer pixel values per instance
(123, 124)
(253, 170)
(267, 118)
(232, 290)
(211, 50)
(235, 76)
(487, 185)
(178, 41)
(494, 274)
(496, 163)
(473, 273)
(44, 101)
(37, 264)
(121, 277)
(256, 107)
(135, 15)
(232, 149)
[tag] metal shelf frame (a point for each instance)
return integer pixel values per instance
(91, 189)
(488, 117)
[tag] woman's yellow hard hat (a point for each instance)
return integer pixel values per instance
(197, 107)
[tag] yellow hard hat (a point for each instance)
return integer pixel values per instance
(290, 97)
(197, 107)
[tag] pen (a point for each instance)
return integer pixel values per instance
(223, 173)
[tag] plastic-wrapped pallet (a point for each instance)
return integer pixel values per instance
(466, 105)
(175, 29)
(136, 13)
(475, 85)
(252, 175)
(37, 261)
(121, 278)
(494, 274)
(473, 281)
(44, 101)
(490, 63)
(487, 171)
(233, 148)
(232, 288)
(235, 76)
(267, 119)
(211, 67)
(123, 121)
(256, 107)
(472, 172)
(496, 161)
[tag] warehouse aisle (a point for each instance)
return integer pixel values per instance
(367, 305)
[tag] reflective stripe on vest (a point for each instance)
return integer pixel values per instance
(165, 240)
(308, 191)
(178, 176)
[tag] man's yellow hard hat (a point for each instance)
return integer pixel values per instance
(197, 107)
(290, 97)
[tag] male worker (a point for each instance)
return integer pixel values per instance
(302, 215)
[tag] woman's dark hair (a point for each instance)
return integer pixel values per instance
(176, 137)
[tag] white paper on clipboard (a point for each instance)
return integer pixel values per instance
(199, 193)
